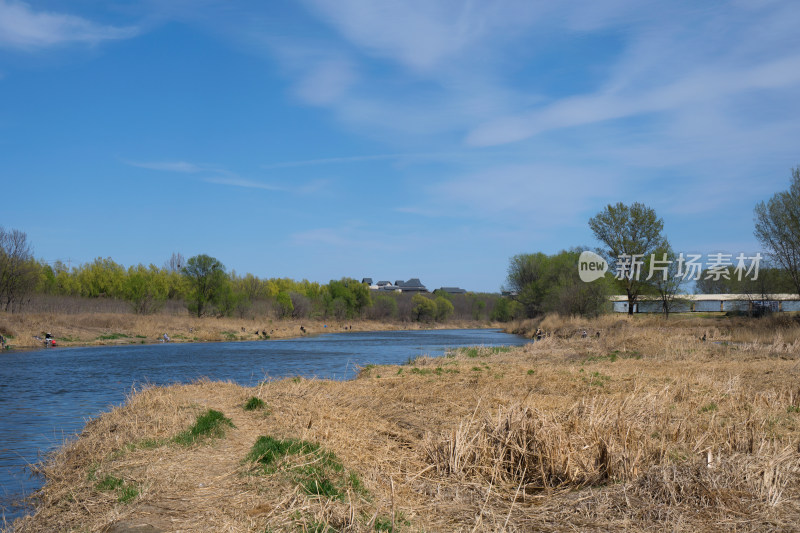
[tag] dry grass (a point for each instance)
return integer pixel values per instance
(81, 329)
(645, 428)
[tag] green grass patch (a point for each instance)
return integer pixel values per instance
(267, 450)
(500, 349)
(146, 444)
(127, 493)
(595, 379)
(230, 335)
(109, 482)
(793, 409)
(112, 336)
(316, 471)
(613, 356)
(141, 336)
(421, 371)
(531, 372)
(209, 424)
(709, 408)
(384, 523)
(484, 351)
(254, 403)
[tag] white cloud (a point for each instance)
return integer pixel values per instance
(326, 83)
(419, 34)
(22, 27)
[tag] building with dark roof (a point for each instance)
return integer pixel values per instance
(412, 285)
(453, 290)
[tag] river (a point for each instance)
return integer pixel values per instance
(47, 396)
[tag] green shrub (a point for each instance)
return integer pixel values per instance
(210, 424)
(254, 403)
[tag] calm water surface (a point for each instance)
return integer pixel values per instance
(47, 396)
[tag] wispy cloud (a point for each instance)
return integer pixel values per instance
(365, 159)
(222, 176)
(171, 166)
(421, 211)
(22, 27)
(419, 34)
(703, 87)
(326, 83)
(239, 182)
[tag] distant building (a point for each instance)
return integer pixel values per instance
(412, 285)
(453, 290)
(367, 281)
(708, 303)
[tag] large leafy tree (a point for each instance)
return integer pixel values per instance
(206, 280)
(778, 228)
(545, 283)
(630, 234)
(145, 289)
(348, 297)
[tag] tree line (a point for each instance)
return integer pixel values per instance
(206, 288)
(539, 283)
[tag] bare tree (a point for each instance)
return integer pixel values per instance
(18, 273)
(175, 263)
(778, 228)
(669, 282)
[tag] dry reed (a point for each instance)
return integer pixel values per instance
(645, 428)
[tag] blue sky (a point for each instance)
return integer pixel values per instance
(320, 139)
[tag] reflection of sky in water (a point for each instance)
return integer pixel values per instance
(47, 396)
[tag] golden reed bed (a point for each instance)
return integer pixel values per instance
(87, 329)
(646, 428)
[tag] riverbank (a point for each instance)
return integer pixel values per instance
(646, 427)
(27, 330)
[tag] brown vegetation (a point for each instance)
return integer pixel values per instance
(25, 330)
(647, 427)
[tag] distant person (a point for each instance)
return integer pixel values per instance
(583, 335)
(166, 338)
(2, 342)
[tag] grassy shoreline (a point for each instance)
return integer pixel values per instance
(25, 330)
(646, 427)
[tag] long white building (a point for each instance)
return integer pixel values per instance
(705, 303)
